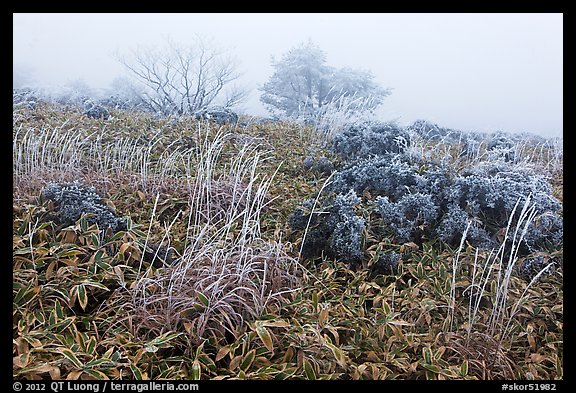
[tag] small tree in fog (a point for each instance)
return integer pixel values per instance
(181, 80)
(303, 84)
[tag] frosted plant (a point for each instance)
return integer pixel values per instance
(74, 199)
(501, 147)
(386, 264)
(410, 217)
(385, 175)
(95, 111)
(365, 139)
(334, 227)
(454, 222)
(489, 191)
(532, 265)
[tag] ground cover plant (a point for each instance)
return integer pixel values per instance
(292, 254)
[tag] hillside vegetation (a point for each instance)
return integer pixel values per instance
(265, 250)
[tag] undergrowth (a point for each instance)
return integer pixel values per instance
(239, 300)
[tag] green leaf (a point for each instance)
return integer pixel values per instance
(94, 240)
(95, 284)
(337, 352)
(315, 300)
(59, 310)
(431, 367)
(309, 370)
(39, 315)
(82, 296)
(464, 368)
(136, 372)
(83, 223)
(91, 346)
(427, 355)
(247, 360)
(203, 299)
(25, 295)
(82, 337)
(68, 354)
(163, 341)
(207, 361)
(59, 327)
(196, 370)
(98, 363)
(286, 373)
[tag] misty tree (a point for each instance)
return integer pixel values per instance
(302, 84)
(73, 92)
(124, 93)
(180, 80)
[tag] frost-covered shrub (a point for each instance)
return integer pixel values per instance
(308, 163)
(220, 115)
(158, 255)
(392, 175)
(533, 264)
(452, 225)
(546, 232)
(367, 139)
(428, 130)
(385, 175)
(334, 229)
(433, 132)
(386, 264)
(95, 111)
(410, 217)
(25, 97)
(321, 166)
(489, 191)
(71, 200)
(501, 147)
(415, 198)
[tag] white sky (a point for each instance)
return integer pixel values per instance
(473, 71)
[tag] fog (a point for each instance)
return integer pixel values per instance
(482, 72)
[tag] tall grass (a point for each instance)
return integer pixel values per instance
(335, 116)
(63, 154)
(492, 272)
(227, 272)
(485, 342)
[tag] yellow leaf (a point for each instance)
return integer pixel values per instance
(124, 247)
(74, 375)
(537, 358)
(222, 352)
(276, 323)
(323, 317)
(50, 270)
(532, 342)
(265, 337)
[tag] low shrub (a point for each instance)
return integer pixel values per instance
(334, 227)
(366, 139)
(72, 200)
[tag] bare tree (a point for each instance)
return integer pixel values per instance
(182, 80)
